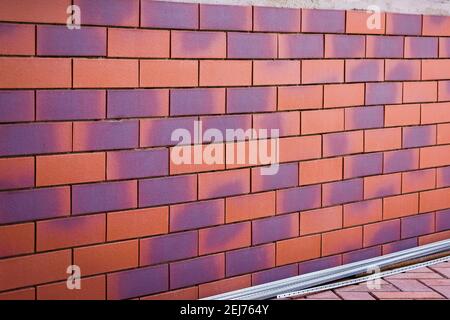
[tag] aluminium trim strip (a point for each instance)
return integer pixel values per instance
(272, 289)
(374, 276)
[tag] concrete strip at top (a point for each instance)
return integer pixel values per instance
(427, 7)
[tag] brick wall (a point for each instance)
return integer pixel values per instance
(85, 137)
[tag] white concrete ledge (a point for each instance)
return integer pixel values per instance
(427, 7)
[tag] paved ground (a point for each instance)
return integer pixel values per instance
(432, 282)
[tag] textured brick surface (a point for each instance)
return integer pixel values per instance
(86, 168)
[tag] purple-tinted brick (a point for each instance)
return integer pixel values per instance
(287, 176)
(421, 47)
(341, 143)
(197, 101)
(381, 232)
(158, 14)
(300, 45)
(252, 45)
(137, 164)
(225, 17)
(18, 206)
(401, 160)
(17, 39)
(399, 245)
(196, 215)
(419, 136)
(35, 138)
(225, 237)
(138, 103)
(104, 135)
(195, 271)
(70, 104)
(296, 199)
(275, 228)
(323, 21)
(407, 24)
(384, 47)
(109, 12)
(362, 254)
(444, 47)
(364, 70)
(345, 46)
(276, 19)
(364, 117)
(383, 93)
(16, 106)
(158, 132)
(443, 220)
(274, 274)
(167, 190)
(342, 192)
(101, 197)
(168, 248)
(363, 165)
(138, 282)
(250, 259)
(251, 99)
(61, 41)
(319, 264)
(417, 225)
(224, 122)
(443, 175)
(194, 44)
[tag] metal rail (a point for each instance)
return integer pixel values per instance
(313, 279)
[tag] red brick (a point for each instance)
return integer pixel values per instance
(46, 11)
(138, 43)
(434, 156)
(436, 25)
(420, 91)
(297, 249)
(276, 72)
(225, 285)
(195, 44)
(443, 133)
(168, 73)
(137, 223)
(318, 171)
(225, 73)
(358, 21)
(249, 207)
(382, 139)
(343, 95)
(105, 73)
(322, 121)
(300, 148)
(436, 69)
(400, 206)
(341, 241)
(322, 71)
(381, 232)
(223, 183)
(298, 98)
(71, 168)
(402, 70)
(35, 73)
(418, 180)
(181, 294)
(16, 173)
(320, 220)
(34, 269)
(70, 232)
(22, 294)
(17, 39)
(107, 257)
(363, 212)
(444, 90)
(288, 123)
(435, 113)
(16, 239)
(383, 185)
(92, 288)
(401, 115)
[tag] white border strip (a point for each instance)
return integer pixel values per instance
(427, 7)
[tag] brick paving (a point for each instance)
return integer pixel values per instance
(425, 283)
